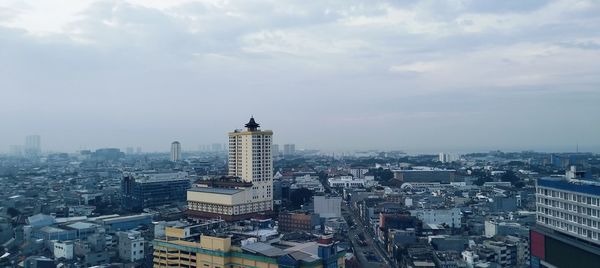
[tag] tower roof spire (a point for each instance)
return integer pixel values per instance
(252, 125)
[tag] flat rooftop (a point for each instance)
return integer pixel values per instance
(215, 190)
(580, 186)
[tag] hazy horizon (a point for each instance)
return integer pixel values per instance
(418, 76)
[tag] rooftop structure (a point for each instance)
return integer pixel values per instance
(225, 250)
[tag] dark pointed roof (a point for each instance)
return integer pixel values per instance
(252, 125)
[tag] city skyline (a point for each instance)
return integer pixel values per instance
(418, 76)
(20, 149)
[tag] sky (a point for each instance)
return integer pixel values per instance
(335, 75)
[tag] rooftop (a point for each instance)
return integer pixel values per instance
(82, 225)
(215, 190)
(580, 186)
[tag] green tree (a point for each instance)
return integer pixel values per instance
(300, 197)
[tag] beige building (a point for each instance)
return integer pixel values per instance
(249, 189)
(185, 247)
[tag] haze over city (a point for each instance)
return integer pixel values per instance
(419, 76)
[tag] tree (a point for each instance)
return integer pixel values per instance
(509, 176)
(13, 212)
(481, 180)
(300, 197)
(381, 174)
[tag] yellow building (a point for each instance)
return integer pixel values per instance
(250, 161)
(181, 248)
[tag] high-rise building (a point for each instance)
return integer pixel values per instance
(448, 158)
(175, 151)
(567, 231)
(249, 188)
(141, 190)
(250, 159)
(33, 145)
(129, 150)
(289, 149)
(275, 149)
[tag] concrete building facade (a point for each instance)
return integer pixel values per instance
(175, 151)
(249, 188)
(328, 206)
(567, 223)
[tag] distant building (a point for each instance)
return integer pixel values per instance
(505, 254)
(307, 182)
(504, 204)
(425, 174)
(107, 154)
(289, 149)
(328, 206)
(63, 250)
(297, 221)
(451, 217)
(33, 146)
(131, 246)
(573, 174)
(275, 149)
(144, 190)
(346, 182)
(493, 228)
(129, 150)
(38, 262)
(124, 223)
(175, 151)
(359, 172)
(448, 158)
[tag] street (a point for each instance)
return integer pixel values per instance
(371, 254)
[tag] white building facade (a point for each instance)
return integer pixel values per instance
(328, 206)
(346, 182)
(571, 207)
(451, 217)
(63, 250)
(175, 151)
(131, 246)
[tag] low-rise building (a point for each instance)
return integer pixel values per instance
(451, 217)
(63, 250)
(220, 251)
(131, 246)
(328, 206)
(298, 221)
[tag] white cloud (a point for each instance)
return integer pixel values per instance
(303, 59)
(417, 67)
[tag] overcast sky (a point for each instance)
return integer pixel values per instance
(422, 76)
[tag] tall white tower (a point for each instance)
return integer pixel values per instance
(250, 159)
(175, 151)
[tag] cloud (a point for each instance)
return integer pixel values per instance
(417, 67)
(141, 67)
